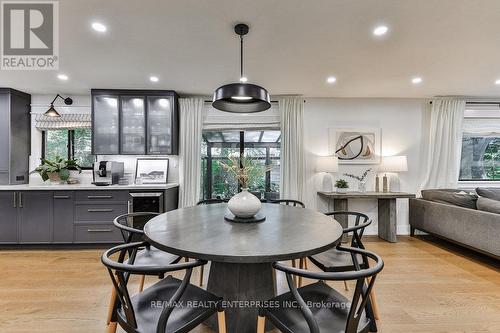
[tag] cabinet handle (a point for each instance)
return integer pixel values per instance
(15, 200)
(61, 196)
(20, 200)
(99, 196)
(99, 210)
(129, 207)
(99, 230)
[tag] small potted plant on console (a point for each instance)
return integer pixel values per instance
(341, 186)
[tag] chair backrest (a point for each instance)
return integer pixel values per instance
(360, 223)
(120, 272)
(365, 279)
(211, 201)
(289, 202)
(130, 230)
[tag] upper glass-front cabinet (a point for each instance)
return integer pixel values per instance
(133, 125)
(160, 125)
(135, 122)
(105, 124)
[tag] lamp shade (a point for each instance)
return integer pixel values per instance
(51, 112)
(393, 164)
(241, 98)
(327, 164)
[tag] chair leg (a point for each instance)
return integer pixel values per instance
(202, 269)
(112, 327)
(346, 286)
(261, 324)
(141, 283)
(305, 264)
(294, 265)
(111, 306)
(221, 321)
(373, 300)
(301, 266)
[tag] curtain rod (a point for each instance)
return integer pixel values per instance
(480, 103)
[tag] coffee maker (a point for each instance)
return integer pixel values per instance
(107, 172)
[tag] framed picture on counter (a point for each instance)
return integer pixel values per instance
(151, 171)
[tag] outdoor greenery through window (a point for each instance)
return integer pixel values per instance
(480, 158)
(72, 144)
(260, 146)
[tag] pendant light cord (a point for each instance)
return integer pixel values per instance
(241, 56)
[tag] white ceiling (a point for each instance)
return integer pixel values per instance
(292, 47)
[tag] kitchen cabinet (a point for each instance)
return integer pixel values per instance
(63, 216)
(9, 221)
(35, 216)
(135, 122)
(15, 136)
(59, 216)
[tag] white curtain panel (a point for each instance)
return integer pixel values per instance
(445, 142)
(191, 125)
(292, 148)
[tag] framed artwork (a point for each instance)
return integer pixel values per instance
(151, 171)
(356, 145)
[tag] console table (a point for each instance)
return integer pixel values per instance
(386, 208)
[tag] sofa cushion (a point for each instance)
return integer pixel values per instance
(489, 192)
(488, 205)
(451, 197)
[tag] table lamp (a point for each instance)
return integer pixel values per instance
(327, 164)
(392, 164)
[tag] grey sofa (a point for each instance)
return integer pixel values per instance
(457, 221)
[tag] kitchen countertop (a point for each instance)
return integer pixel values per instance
(79, 187)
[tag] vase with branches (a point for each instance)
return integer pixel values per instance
(360, 179)
(247, 171)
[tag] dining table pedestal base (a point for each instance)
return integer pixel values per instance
(242, 287)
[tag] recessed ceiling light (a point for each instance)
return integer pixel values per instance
(99, 27)
(154, 79)
(497, 82)
(62, 77)
(416, 80)
(331, 79)
(380, 30)
(243, 79)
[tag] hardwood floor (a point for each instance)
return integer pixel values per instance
(426, 286)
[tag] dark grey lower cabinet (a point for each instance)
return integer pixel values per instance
(63, 216)
(35, 216)
(8, 220)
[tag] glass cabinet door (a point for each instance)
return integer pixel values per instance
(133, 129)
(159, 125)
(105, 125)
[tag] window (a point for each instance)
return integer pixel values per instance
(72, 144)
(480, 159)
(262, 146)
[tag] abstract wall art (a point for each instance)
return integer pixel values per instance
(356, 146)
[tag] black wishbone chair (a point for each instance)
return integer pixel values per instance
(164, 307)
(318, 308)
(334, 260)
(147, 256)
(208, 202)
(300, 204)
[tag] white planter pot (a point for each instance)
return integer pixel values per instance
(341, 190)
(244, 204)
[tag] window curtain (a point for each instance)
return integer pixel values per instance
(65, 121)
(292, 148)
(442, 164)
(191, 125)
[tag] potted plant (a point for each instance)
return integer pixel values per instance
(246, 171)
(56, 170)
(341, 186)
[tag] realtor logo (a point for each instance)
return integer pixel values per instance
(30, 35)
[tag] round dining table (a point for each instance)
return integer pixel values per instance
(241, 254)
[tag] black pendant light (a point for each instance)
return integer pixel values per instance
(51, 112)
(241, 97)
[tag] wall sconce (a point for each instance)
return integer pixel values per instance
(51, 112)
